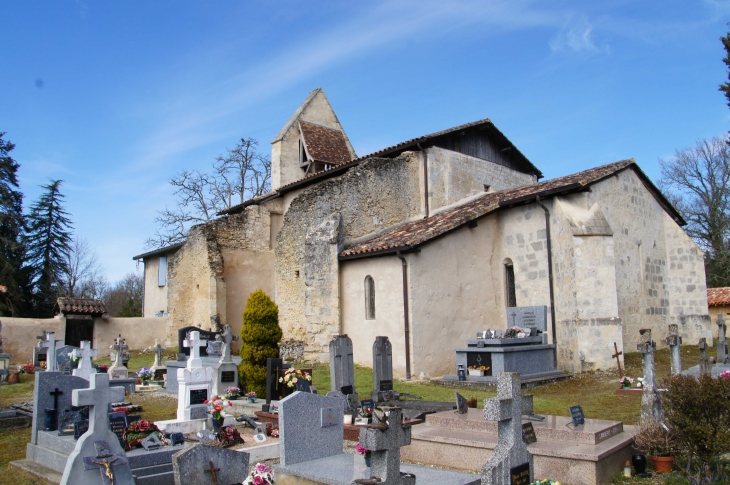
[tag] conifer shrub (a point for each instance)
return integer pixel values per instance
(260, 334)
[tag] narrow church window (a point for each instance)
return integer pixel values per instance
(509, 284)
(369, 298)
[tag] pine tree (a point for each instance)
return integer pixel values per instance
(16, 300)
(260, 335)
(48, 244)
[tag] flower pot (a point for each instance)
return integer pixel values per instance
(13, 377)
(477, 373)
(217, 423)
(367, 461)
(662, 464)
(251, 399)
(145, 383)
(639, 463)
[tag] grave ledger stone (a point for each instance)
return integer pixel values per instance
(98, 397)
(201, 464)
(511, 462)
(651, 404)
(342, 368)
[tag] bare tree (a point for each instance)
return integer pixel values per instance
(126, 297)
(83, 277)
(697, 181)
(241, 174)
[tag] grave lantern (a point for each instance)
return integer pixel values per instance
(461, 372)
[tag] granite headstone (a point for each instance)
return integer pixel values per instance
(310, 427)
(209, 464)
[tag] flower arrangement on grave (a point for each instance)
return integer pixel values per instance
(216, 405)
(229, 436)
(724, 375)
(100, 368)
(145, 374)
(478, 367)
(272, 428)
(545, 481)
(291, 376)
(122, 410)
(514, 332)
(232, 392)
(251, 394)
(362, 450)
(29, 368)
(136, 432)
(260, 475)
(626, 381)
(43, 365)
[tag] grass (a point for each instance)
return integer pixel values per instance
(594, 391)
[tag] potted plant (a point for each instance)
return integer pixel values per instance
(626, 382)
(364, 452)
(251, 396)
(145, 374)
(477, 370)
(216, 405)
(656, 440)
(232, 392)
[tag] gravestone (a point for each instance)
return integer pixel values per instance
(52, 392)
(194, 382)
(63, 358)
(651, 402)
(158, 368)
(117, 369)
(209, 464)
(511, 461)
(342, 369)
(461, 405)
(527, 316)
(225, 372)
(705, 365)
(99, 441)
(183, 334)
(310, 427)
(383, 371)
(384, 444)
(274, 388)
(85, 353)
(50, 344)
(722, 356)
(674, 341)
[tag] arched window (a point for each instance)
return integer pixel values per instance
(369, 298)
(510, 295)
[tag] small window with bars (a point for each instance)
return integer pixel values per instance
(369, 298)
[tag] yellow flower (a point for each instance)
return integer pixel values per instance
(294, 380)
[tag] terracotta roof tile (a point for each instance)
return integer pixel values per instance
(417, 232)
(325, 144)
(718, 296)
(80, 306)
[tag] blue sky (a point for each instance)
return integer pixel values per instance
(116, 97)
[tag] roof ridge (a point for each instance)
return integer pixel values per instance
(296, 114)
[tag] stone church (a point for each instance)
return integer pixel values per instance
(429, 241)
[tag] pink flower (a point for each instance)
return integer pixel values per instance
(258, 481)
(261, 468)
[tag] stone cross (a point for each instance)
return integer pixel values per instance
(705, 366)
(104, 461)
(722, 357)
(342, 368)
(85, 353)
(120, 345)
(384, 444)
(49, 343)
(158, 350)
(651, 403)
(194, 343)
(618, 360)
(226, 337)
(98, 396)
(511, 452)
(212, 470)
(674, 341)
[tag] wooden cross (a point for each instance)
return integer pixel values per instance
(212, 470)
(618, 361)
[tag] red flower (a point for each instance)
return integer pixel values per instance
(144, 425)
(205, 402)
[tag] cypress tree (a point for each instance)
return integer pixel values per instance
(49, 245)
(260, 334)
(16, 300)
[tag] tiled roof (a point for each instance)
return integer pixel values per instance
(163, 250)
(80, 306)
(414, 233)
(324, 144)
(718, 296)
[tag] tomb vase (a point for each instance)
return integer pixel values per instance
(49, 420)
(217, 423)
(662, 464)
(639, 462)
(13, 377)
(367, 460)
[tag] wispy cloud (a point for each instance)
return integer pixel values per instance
(576, 36)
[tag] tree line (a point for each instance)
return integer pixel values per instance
(41, 259)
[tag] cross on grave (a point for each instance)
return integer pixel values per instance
(384, 443)
(120, 345)
(158, 350)
(98, 396)
(722, 356)
(104, 461)
(212, 470)
(674, 341)
(194, 343)
(511, 461)
(651, 403)
(705, 366)
(618, 361)
(51, 415)
(85, 353)
(50, 345)
(227, 337)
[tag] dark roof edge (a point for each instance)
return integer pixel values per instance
(383, 252)
(165, 249)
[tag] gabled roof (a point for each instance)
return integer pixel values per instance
(324, 144)
(155, 252)
(412, 234)
(718, 296)
(296, 115)
(79, 306)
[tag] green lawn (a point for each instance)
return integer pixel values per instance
(594, 391)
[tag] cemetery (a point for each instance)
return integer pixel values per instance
(93, 420)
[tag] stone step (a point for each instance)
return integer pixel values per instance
(37, 470)
(153, 470)
(158, 479)
(59, 444)
(46, 457)
(554, 428)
